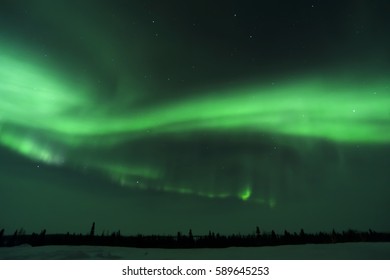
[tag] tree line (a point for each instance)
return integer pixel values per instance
(189, 240)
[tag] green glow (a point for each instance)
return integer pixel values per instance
(45, 113)
(246, 194)
(120, 171)
(32, 148)
(272, 203)
(31, 94)
(35, 98)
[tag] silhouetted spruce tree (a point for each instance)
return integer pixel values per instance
(334, 238)
(273, 236)
(21, 232)
(257, 232)
(14, 238)
(41, 237)
(92, 233)
(287, 236)
(190, 236)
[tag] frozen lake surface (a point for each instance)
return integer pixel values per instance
(353, 251)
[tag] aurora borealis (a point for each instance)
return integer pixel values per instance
(222, 115)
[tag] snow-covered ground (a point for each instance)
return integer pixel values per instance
(369, 251)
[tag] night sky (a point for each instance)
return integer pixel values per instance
(160, 116)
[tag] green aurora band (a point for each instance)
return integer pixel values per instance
(48, 115)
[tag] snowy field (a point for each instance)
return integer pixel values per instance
(352, 251)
